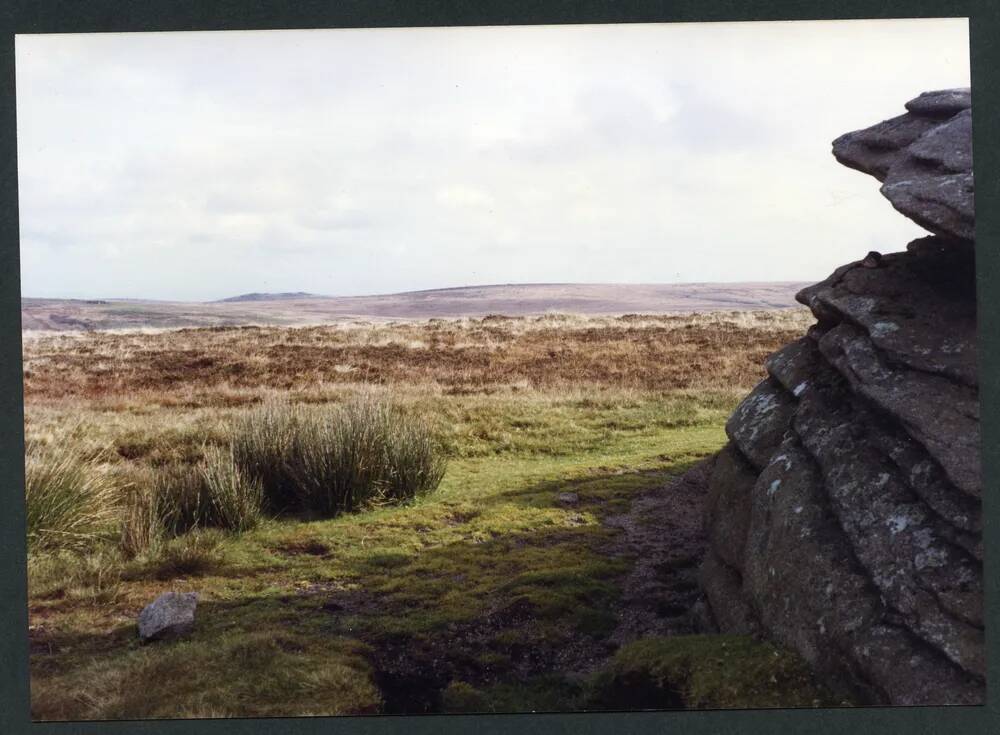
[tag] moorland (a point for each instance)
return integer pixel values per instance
(502, 583)
(300, 308)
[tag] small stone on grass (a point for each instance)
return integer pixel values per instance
(168, 616)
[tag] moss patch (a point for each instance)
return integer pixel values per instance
(706, 672)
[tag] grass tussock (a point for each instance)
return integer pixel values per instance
(180, 497)
(192, 555)
(69, 500)
(366, 451)
(234, 496)
(173, 500)
(141, 525)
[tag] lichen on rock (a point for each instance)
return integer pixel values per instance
(844, 515)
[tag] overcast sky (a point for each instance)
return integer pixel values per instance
(196, 166)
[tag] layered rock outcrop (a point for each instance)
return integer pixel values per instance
(844, 514)
(923, 159)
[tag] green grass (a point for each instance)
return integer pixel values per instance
(299, 616)
(707, 672)
(536, 694)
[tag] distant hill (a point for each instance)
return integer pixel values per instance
(465, 301)
(268, 297)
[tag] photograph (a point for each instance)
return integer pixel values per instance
(607, 367)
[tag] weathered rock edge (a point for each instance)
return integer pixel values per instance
(923, 159)
(844, 515)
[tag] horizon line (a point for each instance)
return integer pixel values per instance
(304, 295)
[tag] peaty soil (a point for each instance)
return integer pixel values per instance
(664, 533)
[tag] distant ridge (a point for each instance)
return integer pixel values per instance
(269, 297)
(510, 299)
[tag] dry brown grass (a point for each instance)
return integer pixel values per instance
(163, 398)
(232, 366)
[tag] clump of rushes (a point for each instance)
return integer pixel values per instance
(141, 522)
(69, 501)
(415, 464)
(367, 450)
(179, 498)
(213, 493)
(261, 446)
(234, 496)
(162, 503)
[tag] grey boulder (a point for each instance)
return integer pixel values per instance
(168, 616)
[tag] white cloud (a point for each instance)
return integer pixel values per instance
(198, 165)
(463, 196)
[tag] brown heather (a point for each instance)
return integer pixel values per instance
(233, 366)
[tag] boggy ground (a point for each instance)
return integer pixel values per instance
(496, 592)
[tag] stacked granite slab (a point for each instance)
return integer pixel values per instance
(844, 514)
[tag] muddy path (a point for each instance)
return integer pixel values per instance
(663, 532)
